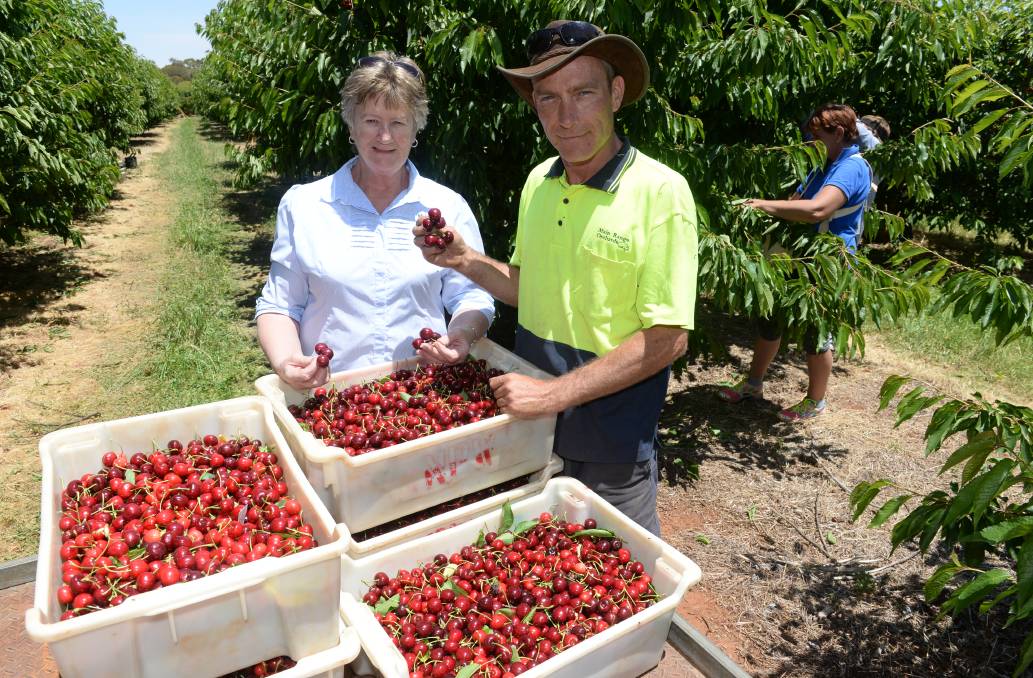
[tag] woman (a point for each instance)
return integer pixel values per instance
(833, 198)
(344, 268)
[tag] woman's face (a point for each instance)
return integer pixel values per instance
(383, 136)
(832, 138)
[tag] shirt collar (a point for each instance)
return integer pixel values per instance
(609, 175)
(343, 188)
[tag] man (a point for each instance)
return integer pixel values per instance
(604, 270)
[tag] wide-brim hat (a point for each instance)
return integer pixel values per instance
(624, 55)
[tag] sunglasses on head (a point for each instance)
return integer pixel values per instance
(570, 34)
(370, 61)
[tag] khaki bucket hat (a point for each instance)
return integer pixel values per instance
(560, 42)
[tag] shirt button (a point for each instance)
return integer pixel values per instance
(560, 222)
(566, 201)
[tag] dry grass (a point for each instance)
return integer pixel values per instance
(791, 586)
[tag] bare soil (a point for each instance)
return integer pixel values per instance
(65, 313)
(790, 586)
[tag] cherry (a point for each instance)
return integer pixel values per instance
(435, 224)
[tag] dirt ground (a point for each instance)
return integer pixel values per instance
(65, 313)
(790, 586)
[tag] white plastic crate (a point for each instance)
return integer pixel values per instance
(374, 488)
(210, 626)
(456, 516)
(628, 648)
(333, 663)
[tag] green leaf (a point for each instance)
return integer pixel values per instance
(988, 119)
(702, 539)
(1024, 574)
(991, 486)
(530, 615)
(524, 526)
(130, 476)
(480, 539)
(935, 584)
(404, 396)
(455, 588)
(387, 604)
(863, 494)
(507, 518)
(1025, 656)
(982, 443)
(468, 670)
(449, 570)
(207, 475)
(890, 387)
(594, 532)
(888, 509)
(976, 590)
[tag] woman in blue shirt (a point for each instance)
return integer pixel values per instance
(344, 269)
(833, 198)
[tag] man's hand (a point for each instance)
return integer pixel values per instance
(302, 372)
(525, 397)
(450, 348)
(455, 253)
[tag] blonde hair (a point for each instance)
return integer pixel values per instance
(395, 85)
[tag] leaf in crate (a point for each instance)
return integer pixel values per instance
(524, 526)
(449, 570)
(130, 476)
(480, 539)
(207, 475)
(530, 615)
(242, 514)
(507, 518)
(468, 670)
(594, 532)
(508, 611)
(404, 396)
(138, 552)
(456, 588)
(387, 604)
(507, 538)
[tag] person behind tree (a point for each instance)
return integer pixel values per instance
(833, 198)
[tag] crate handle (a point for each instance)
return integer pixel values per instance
(219, 589)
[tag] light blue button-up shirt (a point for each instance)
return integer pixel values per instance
(353, 278)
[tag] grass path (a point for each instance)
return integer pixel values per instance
(151, 314)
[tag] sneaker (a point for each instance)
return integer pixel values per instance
(740, 391)
(805, 409)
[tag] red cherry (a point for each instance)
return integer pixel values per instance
(323, 360)
(435, 214)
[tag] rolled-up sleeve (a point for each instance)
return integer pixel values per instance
(286, 290)
(459, 293)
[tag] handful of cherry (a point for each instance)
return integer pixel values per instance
(434, 224)
(427, 336)
(324, 354)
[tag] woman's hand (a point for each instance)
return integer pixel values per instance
(450, 348)
(302, 372)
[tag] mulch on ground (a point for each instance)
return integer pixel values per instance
(792, 587)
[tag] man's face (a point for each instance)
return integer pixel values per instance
(576, 105)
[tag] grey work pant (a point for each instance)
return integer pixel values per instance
(631, 488)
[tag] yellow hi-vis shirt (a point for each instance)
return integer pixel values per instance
(601, 260)
(598, 262)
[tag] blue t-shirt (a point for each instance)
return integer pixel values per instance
(850, 174)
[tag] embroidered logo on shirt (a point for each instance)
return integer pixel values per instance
(621, 241)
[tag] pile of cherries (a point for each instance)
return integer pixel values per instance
(324, 354)
(511, 601)
(427, 336)
(147, 521)
(435, 224)
(405, 405)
